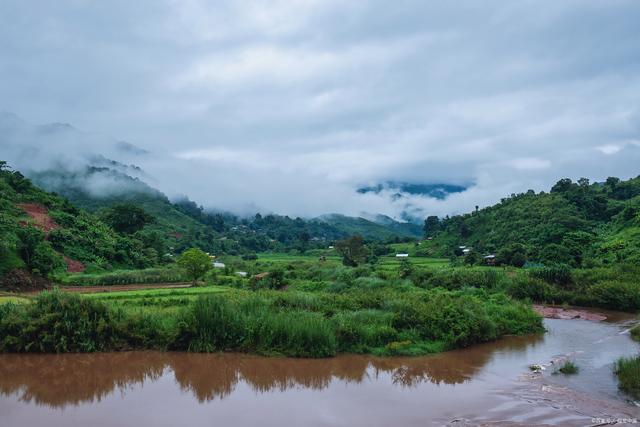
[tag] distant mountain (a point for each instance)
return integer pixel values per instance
(383, 229)
(95, 172)
(400, 189)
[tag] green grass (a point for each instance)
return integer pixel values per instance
(13, 299)
(381, 319)
(156, 293)
(568, 368)
(628, 372)
(388, 263)
(123, 277)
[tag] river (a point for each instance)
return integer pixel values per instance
(488, 384)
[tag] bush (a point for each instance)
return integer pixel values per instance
(531, 288)
(557, 275)
(45, 260)
(615, 295)
(57, 323)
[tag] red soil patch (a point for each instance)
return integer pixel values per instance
(73, 266)
(40, 219)
(177, 235)
(39, 216)
(568, 313)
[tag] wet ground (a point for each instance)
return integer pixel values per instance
(488, 384)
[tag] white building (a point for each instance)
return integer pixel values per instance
(402, 255)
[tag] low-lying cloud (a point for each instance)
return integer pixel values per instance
(291, 107)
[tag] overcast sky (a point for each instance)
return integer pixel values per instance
(290, 106)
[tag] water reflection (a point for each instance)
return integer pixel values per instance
(60, 380)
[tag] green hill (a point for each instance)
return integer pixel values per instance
(577, 224)
(212, 231)
(43, 232)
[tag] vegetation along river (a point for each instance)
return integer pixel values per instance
(489, 384)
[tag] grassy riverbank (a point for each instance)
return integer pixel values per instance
(381, 321)
(309, 307)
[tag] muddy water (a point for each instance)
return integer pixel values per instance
(485, 385)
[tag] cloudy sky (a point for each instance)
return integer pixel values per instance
(290, 106)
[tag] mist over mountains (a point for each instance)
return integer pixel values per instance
(61, 158)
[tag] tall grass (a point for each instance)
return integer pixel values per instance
(215, 323)
(628, 372)
(370, 316)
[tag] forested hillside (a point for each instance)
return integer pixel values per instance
(43, 232)
(191, 225)
(576, 223)
(132, 225)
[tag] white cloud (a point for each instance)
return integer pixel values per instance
(289, 106)
(530, 164)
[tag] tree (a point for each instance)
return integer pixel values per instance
(29, 238)
(562, 186)
(45, 259)
(405, 269)
(431, 226)
(275, 279)
(557, 254)
(304, 238)
(127, 218)
(514, 254)
(352, 250)
(195, 263)
(472, 258)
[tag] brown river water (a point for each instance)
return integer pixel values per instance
(488, 384)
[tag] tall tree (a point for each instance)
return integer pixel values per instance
(352, 250)
(431, 226)
(127, 218)
(195, 264)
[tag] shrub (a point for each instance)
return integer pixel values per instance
(558, 275)
(615, 295)
(56, 323)
(568, 368)
(45, 260)
(531, 288)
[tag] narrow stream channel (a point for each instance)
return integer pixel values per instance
(488, 384)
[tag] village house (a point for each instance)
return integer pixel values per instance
(490, 259)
